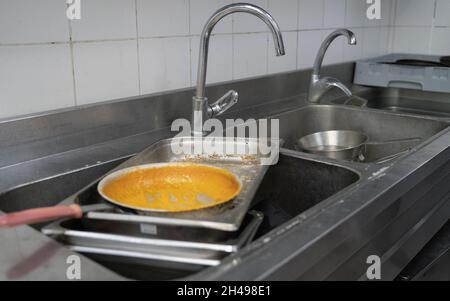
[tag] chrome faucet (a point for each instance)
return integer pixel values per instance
(318, 86)
(201, 106)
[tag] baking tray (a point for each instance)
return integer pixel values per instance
(161, 245)
(159, 260)
(250, 169)
(148, 238)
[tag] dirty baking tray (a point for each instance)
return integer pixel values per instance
(226, 217)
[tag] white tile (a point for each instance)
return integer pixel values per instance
(443, 13)
(287, 62)
(354, 52)
(411, 39)
(440, 44)
(308, 45)
(414, 13)
(35, 78)
(220, 59)
(160, 18)
(371, 42)
(334, 13)
(105, 19)
(285, 13)
(387, 15)
(310, 14)
(248, 23)
(374, 22)
(30, 21)
(355, 13)
(385, 37)
(105, 70)
(250, 55)
(201, 10)
(164, 64)
(335, 52)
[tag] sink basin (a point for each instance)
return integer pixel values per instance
(289, 188)
(295, 185)
(50, 192)
(407, 101)
(377, 125)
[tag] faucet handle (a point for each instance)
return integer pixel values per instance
(333, 82)
(224, 103)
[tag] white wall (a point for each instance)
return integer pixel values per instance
(422, 26)
(123, 48)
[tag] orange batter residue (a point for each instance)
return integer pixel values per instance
(174, 188)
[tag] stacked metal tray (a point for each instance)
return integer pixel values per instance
(157, 244)
(187, 240)
(227, 217)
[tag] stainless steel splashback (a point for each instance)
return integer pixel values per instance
(73, 128)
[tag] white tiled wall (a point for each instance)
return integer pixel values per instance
(105, 70)
(35, 78)
(164, 64)
(123, 48)
(422, 26)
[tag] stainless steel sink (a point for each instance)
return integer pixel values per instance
(50, 192)
(406, 101)
(379, 126)
(289, 188)
(323, 217)
(299, 187)
(319, 180)
(296, 184)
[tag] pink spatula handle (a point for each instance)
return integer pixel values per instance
(39, 215)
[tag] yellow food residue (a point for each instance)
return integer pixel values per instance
(173, 188)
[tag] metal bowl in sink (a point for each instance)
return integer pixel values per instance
(341, 145)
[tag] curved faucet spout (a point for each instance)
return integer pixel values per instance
(318, 86)
(201, 108)
(327, 42)
(219, 15)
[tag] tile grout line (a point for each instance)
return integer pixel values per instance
(186, 36)
(323, 14)
(389, 38)
(433, 26)
(72, 59)
(191, 82)
(365, 34)
(297, 40)
(138, 48)
(394, 32)
(343, 44)
(232, 45)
